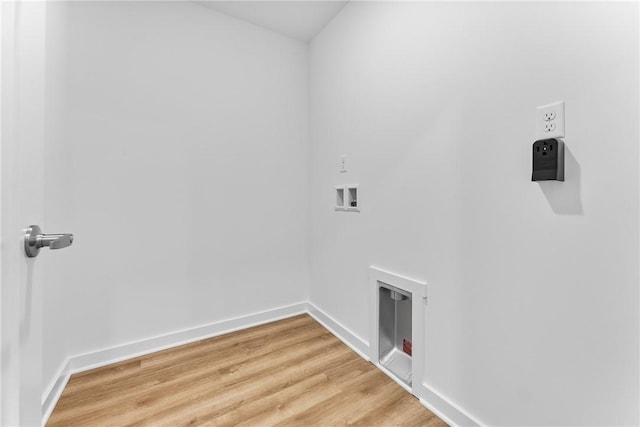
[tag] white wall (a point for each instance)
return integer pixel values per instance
(178, 156)
(167, 121)
(532, 316)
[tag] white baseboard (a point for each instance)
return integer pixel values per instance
(107, 356)
(119, 353)
(434, 401)
(350, 339)
(446, 410)
(54, 391)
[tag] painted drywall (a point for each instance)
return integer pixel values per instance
(178, 156)
(532, 312)
(300, 20)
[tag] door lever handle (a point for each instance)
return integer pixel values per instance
(34, 239)
(57, 241)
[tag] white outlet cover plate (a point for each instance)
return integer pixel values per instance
(558, 121)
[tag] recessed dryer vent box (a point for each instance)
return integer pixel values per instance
(397, 327)
(394, 332)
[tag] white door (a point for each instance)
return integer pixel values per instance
(21, 188)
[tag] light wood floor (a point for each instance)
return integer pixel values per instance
(290, 372)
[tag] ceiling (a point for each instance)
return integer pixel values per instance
(301, 20)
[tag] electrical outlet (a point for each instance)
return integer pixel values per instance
(548, 160)
(550, 121)
(343, 163)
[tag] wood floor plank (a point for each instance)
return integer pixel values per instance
(252, 341)
(289, 372)
(187, 371)
(250, 386)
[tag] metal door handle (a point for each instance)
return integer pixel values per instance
(57, 241)
(34, 239)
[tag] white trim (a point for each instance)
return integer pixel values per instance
(350, 339)
(446, 410)
(54, 391)
(107, 356)
(415, 286)
(97, 359)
